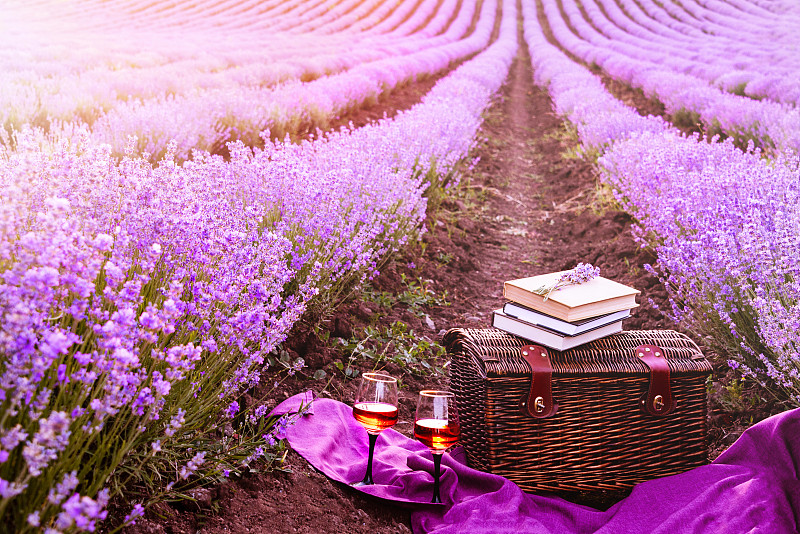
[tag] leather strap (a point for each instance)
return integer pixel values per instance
(539, 401)
(659, 400)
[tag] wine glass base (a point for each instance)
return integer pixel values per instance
(360, 484)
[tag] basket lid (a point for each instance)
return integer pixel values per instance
(497, 353)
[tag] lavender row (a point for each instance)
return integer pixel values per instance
(740, 48)
(720, 220)
(770, 124)
(207, 119)
(580, 96)
(138, 301)
(726, 238)
(365, 16)
(92, 81)
(735, 51)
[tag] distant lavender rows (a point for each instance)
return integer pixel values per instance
(770, 124)
(725, 45)
(723, 223)
(226, 51)
(206, 119)
(226, 94)
(233, 14)
(121, 283)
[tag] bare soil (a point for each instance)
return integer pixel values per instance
(528, 207)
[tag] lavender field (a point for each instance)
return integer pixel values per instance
(176, 197)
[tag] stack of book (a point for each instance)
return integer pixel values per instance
(570, 316)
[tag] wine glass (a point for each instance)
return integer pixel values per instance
(437, 426)
(376, 409)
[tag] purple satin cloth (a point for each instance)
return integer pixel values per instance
(752, 487)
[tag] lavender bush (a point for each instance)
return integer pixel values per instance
(136, 305)
(726, 238)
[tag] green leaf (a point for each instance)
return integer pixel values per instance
(319, 374)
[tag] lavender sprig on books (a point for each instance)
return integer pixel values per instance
(565, 309)
(583, 272)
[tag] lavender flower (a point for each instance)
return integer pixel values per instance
(583, 272)
(135, 513)
(193, 465)
(82, 512)
(232, 410)
(67, 485)
(259, 412)
(175, 423)
(9, 490)
(11, 437)
(33, 519)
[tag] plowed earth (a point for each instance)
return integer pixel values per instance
(528, 207)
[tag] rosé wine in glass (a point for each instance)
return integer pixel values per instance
(375, 407)
(437, 426)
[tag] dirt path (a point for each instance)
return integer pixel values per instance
(527, 208)
(531, 207)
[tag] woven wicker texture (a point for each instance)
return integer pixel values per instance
(600, 439)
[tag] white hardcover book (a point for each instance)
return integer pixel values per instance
(547, 337)
(568, 328)
(598, 296)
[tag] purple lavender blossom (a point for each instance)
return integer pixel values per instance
(82, 512)
(135, 513)
(581, 273)
(193, 465)
(67, 485)
(9, 490)
(176, 422)
(281, 426)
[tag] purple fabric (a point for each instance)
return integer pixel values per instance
(751, 487)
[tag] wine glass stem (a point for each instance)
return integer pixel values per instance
(437, 462)
(368, 477)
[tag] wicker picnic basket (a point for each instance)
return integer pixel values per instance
(603, 416)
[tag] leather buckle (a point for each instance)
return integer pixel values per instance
(658, 400)
(539, 401)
